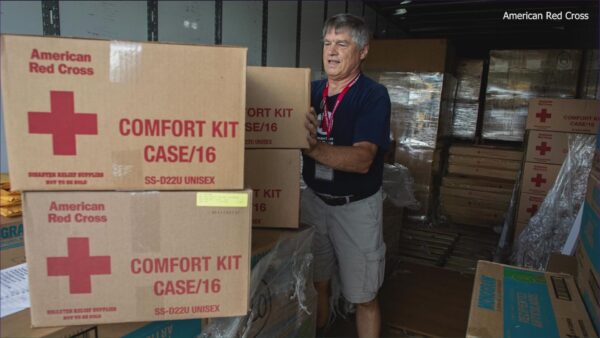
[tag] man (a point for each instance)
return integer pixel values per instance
(349, 127)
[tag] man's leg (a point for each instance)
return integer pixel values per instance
(323, 293)
(368, 319)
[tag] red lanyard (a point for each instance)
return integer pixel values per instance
(327, 123)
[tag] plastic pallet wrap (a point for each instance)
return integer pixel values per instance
(283, 299)
(422, 104)
(465, 119)
(515, 76)
(589, 82)
(468, 75)
(549, 228)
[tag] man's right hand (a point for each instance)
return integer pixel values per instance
(311, 126)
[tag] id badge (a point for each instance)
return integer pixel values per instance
(323, 172)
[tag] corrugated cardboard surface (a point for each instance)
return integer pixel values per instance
(547, 147)
(156, 255)
(274, 176)
(12, 251)
(487, 151)
(277, 100)
(189, 328)
(567, 115)
(19, 325)
(468, 170)
(486, 162)
(528, 206)
(593, 193)
(514, 302)
(588, 281)
(106, 115)
(538, 178)
(427, 55)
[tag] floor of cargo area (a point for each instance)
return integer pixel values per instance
(419, 301)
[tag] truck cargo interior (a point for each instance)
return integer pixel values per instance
(173, 169)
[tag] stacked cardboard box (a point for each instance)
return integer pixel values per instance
(19, 324)
(277, 101)
(466, 106)
(588, 248)
(589, 82)
(143, 255)
(420, 123)
(478, 187)
(509, 301)
(516, 76)
(549, 124)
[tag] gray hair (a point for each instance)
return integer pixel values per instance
(355, 24)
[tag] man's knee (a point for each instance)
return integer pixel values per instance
(367, 305)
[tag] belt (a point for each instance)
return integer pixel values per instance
(341, 200)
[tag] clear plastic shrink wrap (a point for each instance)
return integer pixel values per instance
(549, 228)
(283, 299)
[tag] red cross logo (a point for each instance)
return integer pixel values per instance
(543, 148)
(63, 123)
(538, 180)
(543, 115)
(79, 265)
(532, 210)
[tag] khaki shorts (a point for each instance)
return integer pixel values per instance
(348, 237)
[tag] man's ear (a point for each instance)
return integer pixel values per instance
(364, 52)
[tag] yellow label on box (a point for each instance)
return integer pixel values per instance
(222, 199)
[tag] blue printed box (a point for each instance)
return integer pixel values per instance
(514, 302)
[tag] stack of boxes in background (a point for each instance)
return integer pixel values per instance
(422, 94)
(143, 256)
(589, 82)
(478, 187)
(277, 100)
(469, 73)
(515, 77)
(420, 123)
(549, 124)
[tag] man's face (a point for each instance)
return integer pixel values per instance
(341, 55)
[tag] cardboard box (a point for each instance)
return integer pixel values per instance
(528, 206)
(518, 230)
(468, 170)
(479, 184)
(589, 236)
(538, 178)
(149, 255)
(547, 147)
(276, 201)
(19, 325)
(593, 193)
(190, 328)
(140, 116)
(485, 162)
(427, 55)
(487, 151)
(12, 251)
(588, 281)
(567, 115)
(514, 302)
(501, 198)
(277, 100)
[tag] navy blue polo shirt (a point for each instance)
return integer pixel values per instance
(363, 115)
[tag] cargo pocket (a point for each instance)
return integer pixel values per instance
(375, 269)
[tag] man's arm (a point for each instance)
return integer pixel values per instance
(356, 158)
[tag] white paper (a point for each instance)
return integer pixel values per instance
(14, 290)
